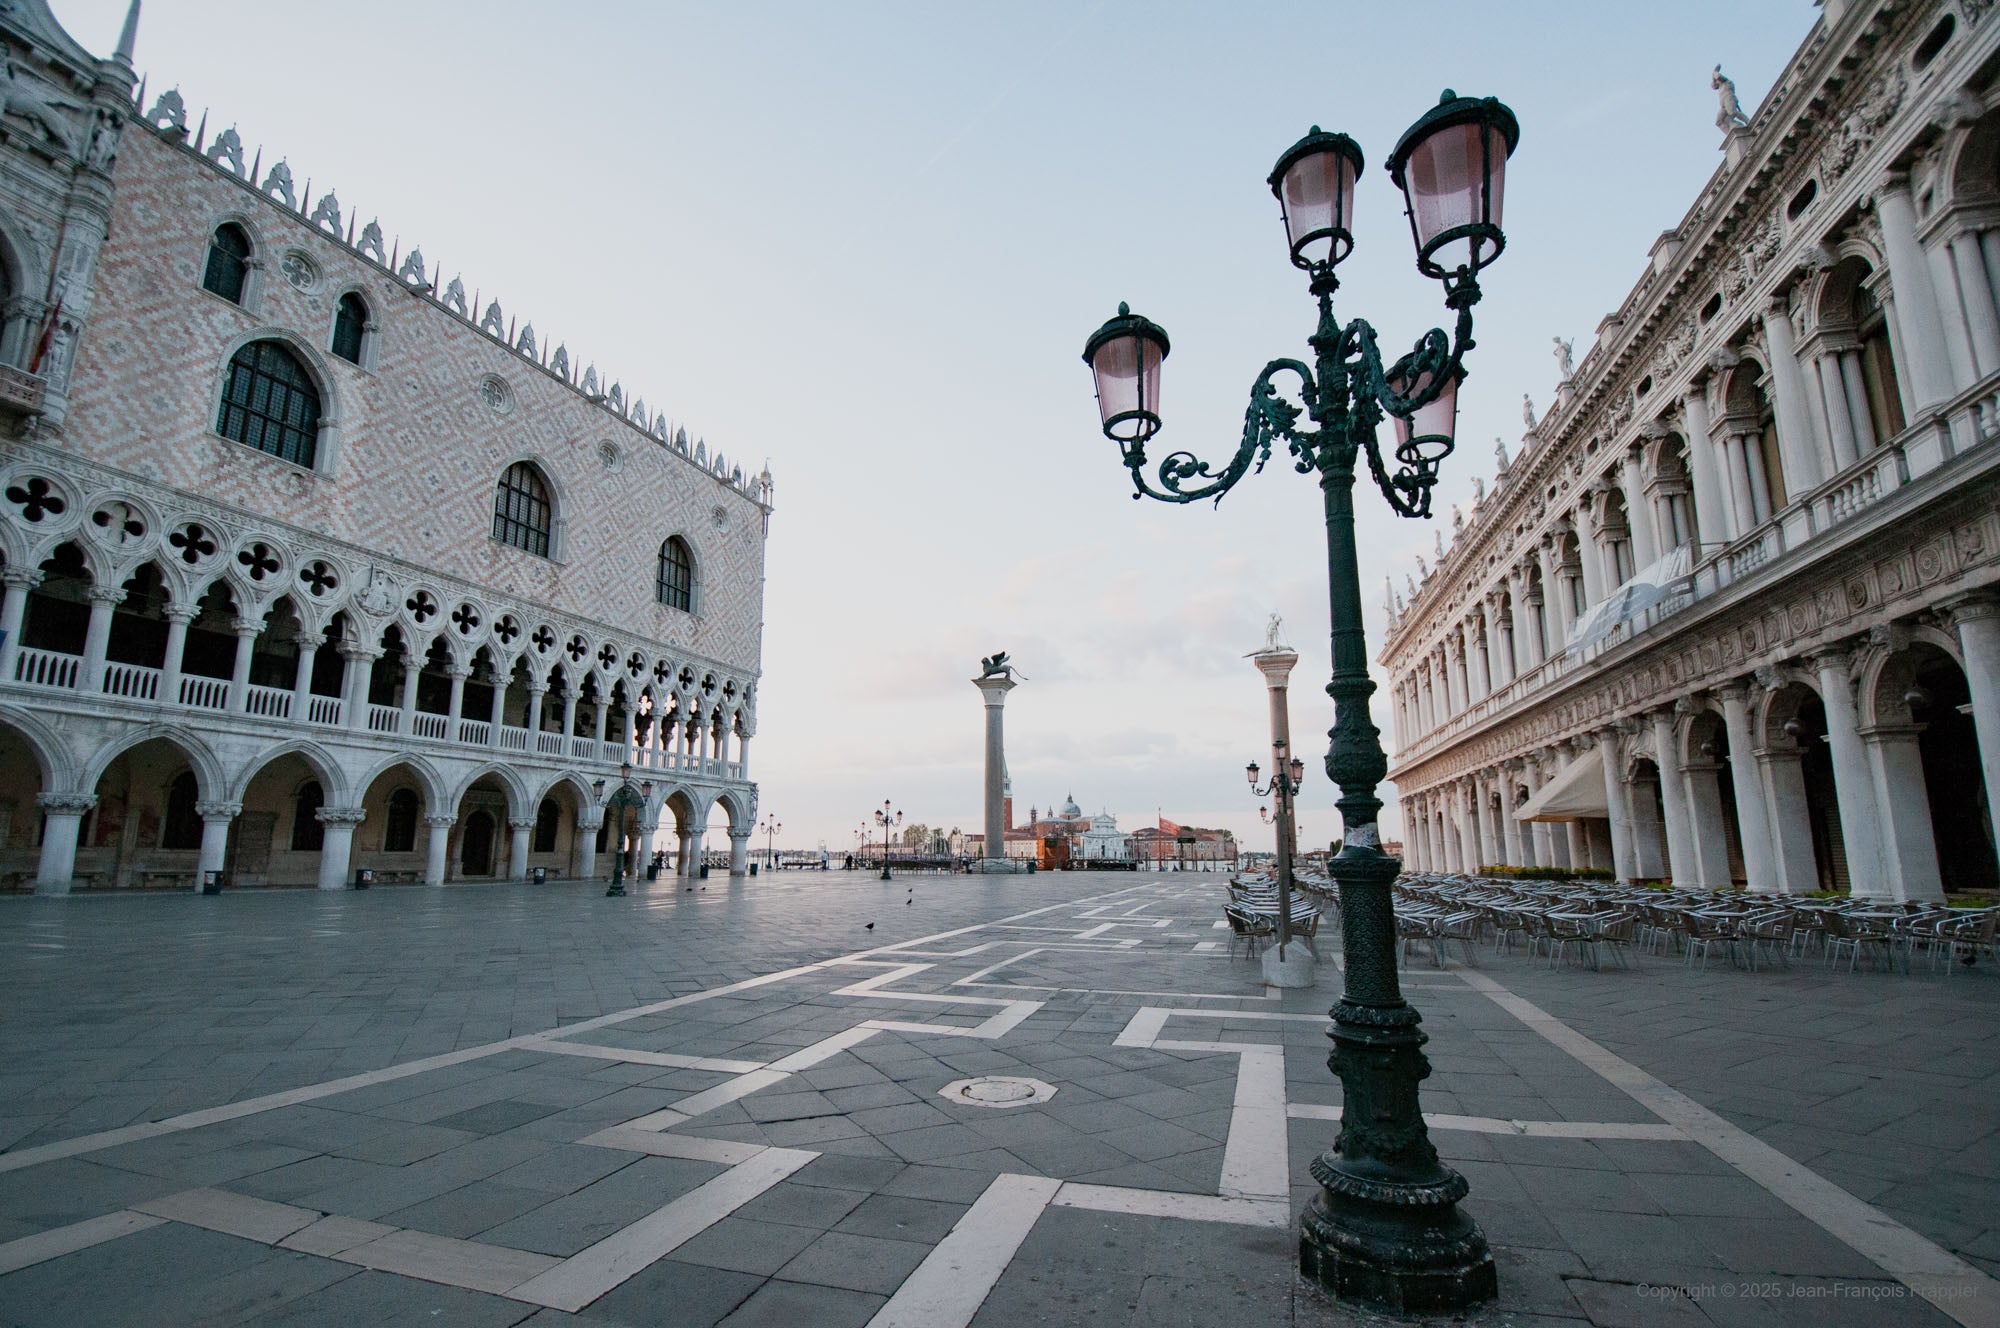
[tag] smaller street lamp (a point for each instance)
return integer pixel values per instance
(887, 822)
(624, 796)
(1283, 788)
(771, 827)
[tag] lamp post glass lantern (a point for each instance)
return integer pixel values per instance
(888, 822)
(624, 796)
(1386, 1227)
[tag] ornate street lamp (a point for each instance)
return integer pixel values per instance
(1386, 1227)
(888, 823)
(624, 796)
(1284, 788)
(771, 828)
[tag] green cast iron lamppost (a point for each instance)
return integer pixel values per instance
(888, 823)
(624, 796)
(1385, 1227)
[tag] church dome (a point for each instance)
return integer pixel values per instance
(1070, 809)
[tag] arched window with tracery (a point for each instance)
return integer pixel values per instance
(271, 403)
(350, 325)
(675, 587)
(308, 834)
(399, 833)
(522, 513)
(228, 268)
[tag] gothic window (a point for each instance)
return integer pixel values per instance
(546, 817)
(350, 321)
(675, 588)
(399, 835)
(228, 262)
(181, 826)
(270, 403)
(307, 833)
(521, 510)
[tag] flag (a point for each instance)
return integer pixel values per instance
(48, 335)
(1168, 827)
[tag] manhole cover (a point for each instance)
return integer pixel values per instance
(997, 1090)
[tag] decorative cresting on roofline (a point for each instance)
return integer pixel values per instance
(277, 187)
(1826, 112)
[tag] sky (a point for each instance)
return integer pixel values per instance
(867, 240)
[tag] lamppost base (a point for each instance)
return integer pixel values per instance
(617, 890)
(1410, 1251)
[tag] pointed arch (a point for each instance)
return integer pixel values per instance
(201, 758)
(321, 762)
(509, 779)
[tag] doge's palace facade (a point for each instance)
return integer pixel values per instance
(1730, 614)
(310, 564)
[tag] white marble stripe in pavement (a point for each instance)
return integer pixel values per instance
(58, 1241)
(588, 1274)
(194, 1120)
(1254, 1161)
(1169, 1203)
(1534, 1129)
(631, 1056)
(1957, 1288)
(954, 1279)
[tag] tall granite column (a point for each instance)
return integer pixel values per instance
(994, 688)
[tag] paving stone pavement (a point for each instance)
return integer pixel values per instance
(722, 1105)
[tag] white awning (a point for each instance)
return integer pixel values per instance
(1659, 580)
(1576, 792)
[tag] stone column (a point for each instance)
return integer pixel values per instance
(63, 813)
(406, 723)
(1527, 644)
(338, 846)
(586, 846)
(993, 689)
(499, 713)
(538, 690)
(1673, 800)
(239, 677)
(1588, 555)
(215, 820)
(1909, 842)
(739, 852)
(17, 582)
(1854, 786)
(302, 678)
(178, 617)
(1791, 819)
(1555, 595)
(1748, 776)
(1711, 510)
(97, 637)
(1539, 837)
(1977, 621)
(1624, 862)
(1638, 508)
(569, 714)
(1805, 470)
(1480, 653)
(358, 667)
(438, 846)
(1519, 853)
(458, 673)
(1951, 313)
(1839, 419)
(694, 839)
(1711, 843)
(1976, 294)
(1742, 498)
(1926, 359)
(517, 848)
(599, 713)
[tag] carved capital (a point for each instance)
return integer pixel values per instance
(341, 816)
(218, 811)
(527, 823)
(1975, 607)
(246, 626)
(108, 596)
(66, 804)
(20, 578)
(435, 822)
